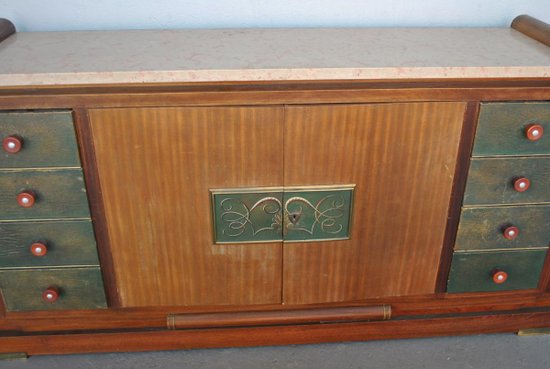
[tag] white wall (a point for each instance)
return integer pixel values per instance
(52, 15)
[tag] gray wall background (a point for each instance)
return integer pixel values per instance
(58, 15)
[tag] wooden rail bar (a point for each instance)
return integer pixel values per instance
(6, 29)
(272, 318)
(532, 27)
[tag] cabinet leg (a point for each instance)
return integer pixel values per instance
(14, 356)
(534, 332)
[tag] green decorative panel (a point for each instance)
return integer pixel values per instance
(247, 215)
(60, 193)
(48, 139)
(491, 181)
(482, 228)
(68, 243)
(501, 129)
(79, 288)
(472, 272)
(317, 213)
(277, 214)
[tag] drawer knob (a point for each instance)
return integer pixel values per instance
(511, 233)
(26, 199)
(50, 294)
(522, 184)
(39, 248)
(534, 132)
(12, 144)
(499, 276)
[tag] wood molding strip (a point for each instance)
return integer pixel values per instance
(532, 27)
(93, 188)
(271, 335)
(6, 29)
(459, 184)
(155, 318)
(347, 93)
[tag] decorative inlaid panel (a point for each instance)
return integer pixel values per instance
(317, 213)
(278, 214)
(247, 215)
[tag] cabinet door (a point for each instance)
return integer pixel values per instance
(156, 166)
(401, 157)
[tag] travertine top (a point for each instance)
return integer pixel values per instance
(98, 57)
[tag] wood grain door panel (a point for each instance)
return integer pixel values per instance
(402, 159)
(156, 166)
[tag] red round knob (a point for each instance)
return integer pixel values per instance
(499, 276)
(39, 248)
(534, 132)
(12, 144)
(26, 199)
(510, 233)
(50, 294)
(522, 184)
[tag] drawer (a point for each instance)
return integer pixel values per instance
(474, 272)
(56, 243)
(504, 227)
(77, 288)
(492, 181)
(58, 193)
(511, 129)
(47, 139)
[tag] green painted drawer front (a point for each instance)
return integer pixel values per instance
(80, 288)
(471, 272)
(501, 129)
(297, 214)
(60, 194)
(482, 228)
(317, 214)
(490, 181)
(69, 243)
(48, 140)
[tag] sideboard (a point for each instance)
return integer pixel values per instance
(176, 189)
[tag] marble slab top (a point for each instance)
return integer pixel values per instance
(164, 56)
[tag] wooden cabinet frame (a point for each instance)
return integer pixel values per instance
(144, 328)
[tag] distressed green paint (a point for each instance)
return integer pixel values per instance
(80, 288)
(501, 129)
(48, 139)
(60, 193)
(68, 242)
(491, 181)
(482, 228)
(317, 214)
(247, 216)
(471, 272)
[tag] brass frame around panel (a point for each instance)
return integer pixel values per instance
(283, 189)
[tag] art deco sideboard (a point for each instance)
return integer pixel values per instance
(212, 188)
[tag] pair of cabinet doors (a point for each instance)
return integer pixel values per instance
(157, 167)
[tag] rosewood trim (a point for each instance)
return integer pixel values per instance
(532, 27)
(6, 29)
(91, 176)
(270, 318)
(271, 335)
(461, 173)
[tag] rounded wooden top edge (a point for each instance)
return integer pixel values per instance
(7, 28)
(533, 28)
(268, 85)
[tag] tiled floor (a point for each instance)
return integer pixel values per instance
(501, 351)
